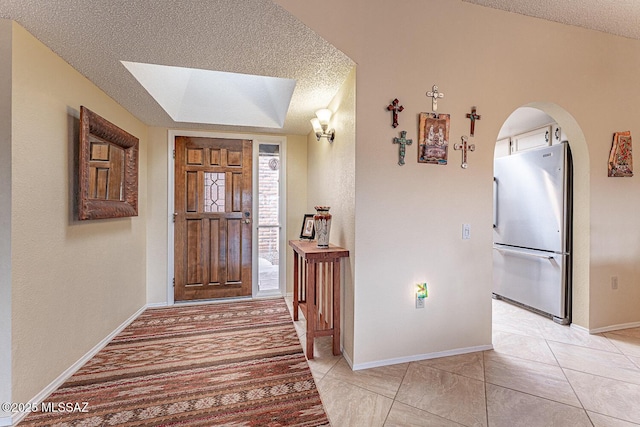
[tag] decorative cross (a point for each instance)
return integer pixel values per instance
(464, 147)
(402, 141)
(435, 95)
(473, 117)
(396, 109)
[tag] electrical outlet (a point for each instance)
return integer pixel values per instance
(614, 282)
(419, 302)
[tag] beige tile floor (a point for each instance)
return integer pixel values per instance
(539, 374)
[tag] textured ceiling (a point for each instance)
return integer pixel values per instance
(619, 17)
(239, 36)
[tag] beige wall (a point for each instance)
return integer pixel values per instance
(158, 217)
(331, 182)
(296, 196)
(409, 218)
(72, 282)
(5, 213)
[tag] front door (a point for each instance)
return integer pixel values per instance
(212, 217)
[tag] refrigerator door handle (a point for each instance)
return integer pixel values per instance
(501, 249)
(495, 202)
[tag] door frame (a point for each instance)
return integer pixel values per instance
(257, 139)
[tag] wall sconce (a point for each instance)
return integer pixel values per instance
(321, 125)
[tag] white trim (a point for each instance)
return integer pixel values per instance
(257, 139)
(347, 358)
(417, 357)
(6, 421)
(53, 386)
(614, 328)
(579, 328)
(157, 305)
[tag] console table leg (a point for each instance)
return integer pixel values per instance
(311, 307)
(296, 283)
(336, 308)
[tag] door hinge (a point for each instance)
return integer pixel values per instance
(174, 282)
(174, 154)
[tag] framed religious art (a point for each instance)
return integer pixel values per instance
(620, 160)
(433, 142)
(108, 169)
(308, 230)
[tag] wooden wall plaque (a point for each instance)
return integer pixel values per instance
(108, 169)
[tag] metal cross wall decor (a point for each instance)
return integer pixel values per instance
(435, 95)
(402, 141)
(396, 109)
(473, 117)
(464, 147)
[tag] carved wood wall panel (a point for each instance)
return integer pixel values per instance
(108, 169)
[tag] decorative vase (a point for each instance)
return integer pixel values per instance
(322, 220)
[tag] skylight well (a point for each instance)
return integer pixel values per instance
(214, 97)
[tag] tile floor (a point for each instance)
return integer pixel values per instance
(539, 374)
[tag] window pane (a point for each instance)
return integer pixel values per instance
(269, 183)
(268, 217)
(214, 192)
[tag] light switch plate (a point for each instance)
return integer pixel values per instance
(466, 231)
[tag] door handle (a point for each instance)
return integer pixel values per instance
(513, 251)
(495, 202)
(247, 217)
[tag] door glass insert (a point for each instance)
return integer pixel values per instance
(269, 217)
(214, 192)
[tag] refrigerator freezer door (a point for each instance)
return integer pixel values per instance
(533, 278)
(530, 199)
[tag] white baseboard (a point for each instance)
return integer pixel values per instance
(417, 357)
(6, 421)
(614, 328)
(579, 328)
(40, 397)
(157, 304)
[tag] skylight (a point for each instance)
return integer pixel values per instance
(214, 97)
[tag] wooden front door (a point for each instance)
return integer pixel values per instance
(212, 231)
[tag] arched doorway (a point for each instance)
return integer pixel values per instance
(535, 115)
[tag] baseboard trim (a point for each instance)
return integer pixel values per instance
(614, 328)
(157, 304)
(426, 356)
(6, 421)
(40, 397)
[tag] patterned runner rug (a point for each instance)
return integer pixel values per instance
(232, 364)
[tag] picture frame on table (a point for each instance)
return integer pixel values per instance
(308, 230)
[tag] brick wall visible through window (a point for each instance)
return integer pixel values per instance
(268, 205)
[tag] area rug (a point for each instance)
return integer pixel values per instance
(230, 364)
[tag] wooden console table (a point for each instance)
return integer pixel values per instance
(316, 290)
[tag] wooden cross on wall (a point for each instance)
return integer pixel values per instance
(396, 109)
(464, 147)
(435, 95)
(402, 141)
(473, 117)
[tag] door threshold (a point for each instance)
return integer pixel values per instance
(213, 301)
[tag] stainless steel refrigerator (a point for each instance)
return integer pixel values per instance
(532, 230)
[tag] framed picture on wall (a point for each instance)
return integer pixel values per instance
(433, 138)
(308, 230)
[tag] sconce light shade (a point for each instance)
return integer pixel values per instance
(316, 125)
(321, 125)
(324, 115)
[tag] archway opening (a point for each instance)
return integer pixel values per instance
(522, 130)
